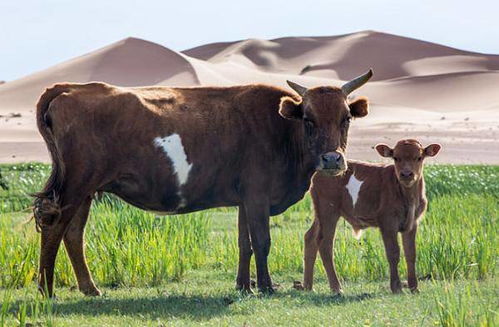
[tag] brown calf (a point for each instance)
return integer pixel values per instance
(391, 197)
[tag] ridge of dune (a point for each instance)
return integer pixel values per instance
(129, 62)
(340, 57)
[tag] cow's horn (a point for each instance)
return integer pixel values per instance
(298, 88)
(357, 82)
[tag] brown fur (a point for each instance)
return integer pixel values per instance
(385, 200)
(242, 151)
(3, 184)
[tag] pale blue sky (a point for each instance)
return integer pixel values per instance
(37, 34)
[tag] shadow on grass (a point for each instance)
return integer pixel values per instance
(320, 299)
(178, 306)
(195, 307)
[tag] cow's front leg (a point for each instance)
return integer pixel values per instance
(245, 252)
(257, 213)
(393, 255)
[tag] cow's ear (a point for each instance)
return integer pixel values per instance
(290, 108)
(432, 150)
(384, 150)
(359, 108)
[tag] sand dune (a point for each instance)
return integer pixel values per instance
(420, 89)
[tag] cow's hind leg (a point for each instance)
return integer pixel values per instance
(74, 242)
(243, 282)
(50, 241)
(53, 215)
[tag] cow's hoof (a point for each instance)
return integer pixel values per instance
(415, 291)
(396, 290)
(91, 291)
(246, 290)
(269, 290)
(337, 294)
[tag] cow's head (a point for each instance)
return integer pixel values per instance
(408, 156)
(325, 113)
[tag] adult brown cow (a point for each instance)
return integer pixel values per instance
(179, 150)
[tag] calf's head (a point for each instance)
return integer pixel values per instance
(325, 113)
(408, 156)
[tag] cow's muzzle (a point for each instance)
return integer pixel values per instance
(332, 163)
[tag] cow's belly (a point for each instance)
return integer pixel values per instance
(162, 194)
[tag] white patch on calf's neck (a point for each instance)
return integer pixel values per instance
(353, 188)
(172, 146)
(357, 233)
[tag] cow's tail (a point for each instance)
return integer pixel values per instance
(46, 207)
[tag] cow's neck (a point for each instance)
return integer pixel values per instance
(300, 159)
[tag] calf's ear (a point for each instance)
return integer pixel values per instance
(384, 150)
(359, 108)
(432, 150)
(290, 109)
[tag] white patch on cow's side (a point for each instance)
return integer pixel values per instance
(353, 188)
(172, 146)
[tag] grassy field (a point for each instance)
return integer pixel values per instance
(180, 270)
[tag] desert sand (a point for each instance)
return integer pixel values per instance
(420, 90)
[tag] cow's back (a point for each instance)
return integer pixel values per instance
(177, 150)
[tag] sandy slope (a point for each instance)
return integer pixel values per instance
(420, 89)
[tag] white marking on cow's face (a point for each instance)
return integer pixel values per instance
(172, 146)
(353, 188)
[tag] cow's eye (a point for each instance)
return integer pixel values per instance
(346, 121)
(420, 158)
(309, 123)
(396, 159)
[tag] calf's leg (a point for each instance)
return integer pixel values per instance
(245, 253)
(409, 242)
(74, 242)
(310, 255)
(393, 254)
(326, 245)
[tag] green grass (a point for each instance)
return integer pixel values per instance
(181, 270)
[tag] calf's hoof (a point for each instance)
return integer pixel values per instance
(91, 291)
(297, 285)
